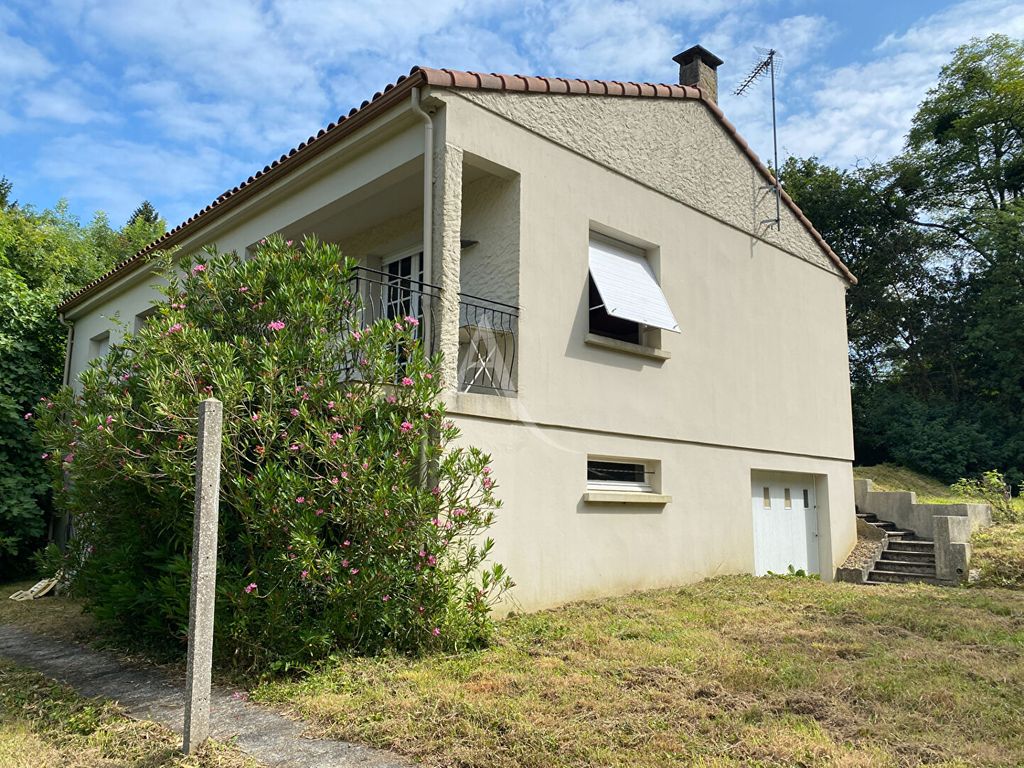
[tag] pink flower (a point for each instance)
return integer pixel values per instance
(255, 416)
(300, 499)
(319, 512)
(110, 419)
(412, 320)
(251, 588)
(485, 471)
(357, 335)
(459, 512)
(289, 242)
(293, 447)
(304, 575)
(385, 598)
(344, 475)
(330, 404)
(353, 571)
(392, 399)
(294, 412)
(334, 481)
(406, 426)
(428, 375)
(436, 632)
(487, 483)
(344, 563)
(407, 382)
(432, 560)
(335, 437)
(243, 288)
(174, 328)
(275, 325)
(198, 268)
(99, 428)
(69, 458)
(45, 456)
(423, 553)
(346, 543)
(28, 416)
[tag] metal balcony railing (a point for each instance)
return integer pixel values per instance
(488, 336)
(488, 330)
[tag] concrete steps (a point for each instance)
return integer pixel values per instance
(905, 559)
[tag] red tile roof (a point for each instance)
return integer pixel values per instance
(395, 93)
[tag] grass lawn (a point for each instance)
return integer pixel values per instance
(731, 671)
(46, 725)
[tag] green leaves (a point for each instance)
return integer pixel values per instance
(340, 500)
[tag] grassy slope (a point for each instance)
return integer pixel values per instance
(43, 723)
(732, 671)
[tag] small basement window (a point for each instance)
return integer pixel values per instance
(609, 475)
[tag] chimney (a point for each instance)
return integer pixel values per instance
(699, 67)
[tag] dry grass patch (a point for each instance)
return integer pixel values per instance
(44, 724)
(55, 615)
(732, 671)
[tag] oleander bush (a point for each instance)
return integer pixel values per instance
(349, 518)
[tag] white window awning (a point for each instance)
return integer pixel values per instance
(628, 287)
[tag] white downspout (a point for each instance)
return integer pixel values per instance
(68, 348)
(428, 207)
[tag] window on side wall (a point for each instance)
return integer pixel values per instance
(620, 475)
(626, 302)
(99, 345)
(143, 317)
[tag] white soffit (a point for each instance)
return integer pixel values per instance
(628, 287)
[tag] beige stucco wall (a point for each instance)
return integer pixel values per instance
(558, 547)
(490, 215)
(674, 146)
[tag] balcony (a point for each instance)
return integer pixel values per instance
(488, 329)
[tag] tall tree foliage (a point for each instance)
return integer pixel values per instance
(936, 236)
(44, 256)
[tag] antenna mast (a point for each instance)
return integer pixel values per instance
(767, 66)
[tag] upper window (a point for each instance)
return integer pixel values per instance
(99, 345)
(143, 316)
(606, 474)
(624, 293)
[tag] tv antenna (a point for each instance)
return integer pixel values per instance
(766, 66)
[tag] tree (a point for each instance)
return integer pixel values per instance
(936, 237)
(44, 256)
(145, 213)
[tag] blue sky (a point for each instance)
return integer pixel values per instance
(108, 102)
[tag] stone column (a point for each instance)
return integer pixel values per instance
(448, 255)
(204, 576)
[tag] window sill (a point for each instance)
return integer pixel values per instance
(625, 497)
(651, 353)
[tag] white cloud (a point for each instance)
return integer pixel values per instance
(62, 102)
(861, 112)
(117, 175)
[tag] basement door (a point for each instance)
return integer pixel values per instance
(785, 522)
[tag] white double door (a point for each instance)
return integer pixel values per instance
(785, 522)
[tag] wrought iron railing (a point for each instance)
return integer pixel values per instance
(488, 338)
(488, 330)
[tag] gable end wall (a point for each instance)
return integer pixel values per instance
(674, 146)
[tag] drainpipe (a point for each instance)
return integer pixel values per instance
(68, 347)
(428, 207)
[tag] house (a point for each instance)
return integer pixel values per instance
(658, 367)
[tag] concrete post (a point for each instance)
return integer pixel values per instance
(204, 577)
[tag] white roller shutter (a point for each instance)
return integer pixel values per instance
(628, 287)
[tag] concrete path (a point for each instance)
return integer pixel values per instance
(146, 693)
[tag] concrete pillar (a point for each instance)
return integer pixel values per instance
(448, 255)
(204, 576)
